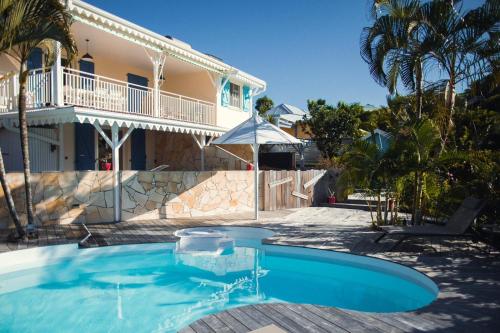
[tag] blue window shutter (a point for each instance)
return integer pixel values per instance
(225, 93)
(87, 67)
(135, 101)
(136, 79)
(246, 98)
(138, 145)
(35, 59)
(84, 147)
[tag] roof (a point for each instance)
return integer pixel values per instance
(283, 109)
(287, 114)
(132, 32)
(256, 130)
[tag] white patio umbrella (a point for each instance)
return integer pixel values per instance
(256, 131)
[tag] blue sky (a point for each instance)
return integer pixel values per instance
(304, 49)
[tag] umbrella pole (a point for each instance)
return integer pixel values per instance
(256, 179)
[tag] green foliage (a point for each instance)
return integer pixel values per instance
(331, 126)
(263, 104)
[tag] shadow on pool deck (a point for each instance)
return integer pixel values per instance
(467, 275)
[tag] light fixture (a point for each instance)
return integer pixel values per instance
(87, 57)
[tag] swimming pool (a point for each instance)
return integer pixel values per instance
(152, 288)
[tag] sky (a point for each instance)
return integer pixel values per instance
(303, 49)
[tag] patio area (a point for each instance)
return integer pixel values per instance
(468, 274)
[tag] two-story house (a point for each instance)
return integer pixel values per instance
(132, 99)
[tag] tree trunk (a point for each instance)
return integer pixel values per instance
(450, 110)
(379, 209)
(23, 131)
(8, 198)
(386, 212)
(417, 210)
(418, 89)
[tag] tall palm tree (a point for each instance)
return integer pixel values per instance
(8, 198)
(24, 26)
(393, 47)
(465, 47)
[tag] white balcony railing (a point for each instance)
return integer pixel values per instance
(38, 91)
(103, 93)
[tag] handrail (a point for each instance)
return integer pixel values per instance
(233, 155)
(160, 167)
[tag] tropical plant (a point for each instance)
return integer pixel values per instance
(330, 126)
(416, 146)
(366, 167)
(26, 25)
(263, 104)
(394, 47)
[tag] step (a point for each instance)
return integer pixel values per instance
(362, 202)
(346, 205)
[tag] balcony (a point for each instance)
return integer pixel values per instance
(107, 94)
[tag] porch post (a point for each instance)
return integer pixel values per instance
(202, 152)
(256, 179)
(156, 88)
(56, 77)
(115, 129)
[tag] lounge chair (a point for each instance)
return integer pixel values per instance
(457, 225)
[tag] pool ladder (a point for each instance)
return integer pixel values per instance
(84, 240)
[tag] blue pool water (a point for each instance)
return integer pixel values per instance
(151, 288)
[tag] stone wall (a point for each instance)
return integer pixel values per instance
(69, 197)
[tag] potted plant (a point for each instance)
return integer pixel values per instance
(331, 196)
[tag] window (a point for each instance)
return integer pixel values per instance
(235, 95)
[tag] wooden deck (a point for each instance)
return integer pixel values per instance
(467, 275)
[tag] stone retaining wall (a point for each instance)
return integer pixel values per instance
(69, 197)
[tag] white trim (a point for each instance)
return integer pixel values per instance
(72, 114)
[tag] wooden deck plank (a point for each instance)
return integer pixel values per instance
(232, 322)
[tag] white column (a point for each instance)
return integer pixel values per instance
(115, 129)
(56, 77)
(256, 179)
(203, 141)
(156, 88)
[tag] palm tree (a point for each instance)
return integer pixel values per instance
(8, 198)
(465, 47)
(24, 26)
(393, 47)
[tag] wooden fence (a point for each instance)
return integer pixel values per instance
(289, 188)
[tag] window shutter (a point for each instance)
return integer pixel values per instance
(225, 93)
(246, 99)
(35, 59)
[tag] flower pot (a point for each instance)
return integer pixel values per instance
(332, 199)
